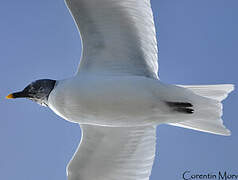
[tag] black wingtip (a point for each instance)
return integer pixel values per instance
(182, 107)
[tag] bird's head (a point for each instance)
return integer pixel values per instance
(37, 91)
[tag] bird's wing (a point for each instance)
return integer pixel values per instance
(107, 153)
(118, 37)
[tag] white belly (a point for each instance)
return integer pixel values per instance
(106, 101)
(114, 101)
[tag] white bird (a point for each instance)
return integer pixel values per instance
(116, 95)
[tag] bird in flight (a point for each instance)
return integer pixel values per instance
(117, 97)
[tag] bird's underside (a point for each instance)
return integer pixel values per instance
(119, 40)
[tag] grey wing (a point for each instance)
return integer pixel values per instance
(107, 153)
(118, 37)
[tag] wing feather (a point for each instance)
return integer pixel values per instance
(118, 37)
(107, 153)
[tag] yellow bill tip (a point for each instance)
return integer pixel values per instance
(10, 96)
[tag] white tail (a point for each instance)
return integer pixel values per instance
(211, 125)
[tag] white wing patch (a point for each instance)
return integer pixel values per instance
(107, 153)
(118, 37)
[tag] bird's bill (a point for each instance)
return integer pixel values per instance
(10, 96)
(16, 95)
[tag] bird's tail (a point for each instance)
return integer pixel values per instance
(208, 118)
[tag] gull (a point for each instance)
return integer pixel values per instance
(116, 95)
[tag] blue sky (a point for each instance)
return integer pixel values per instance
(198, 44)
